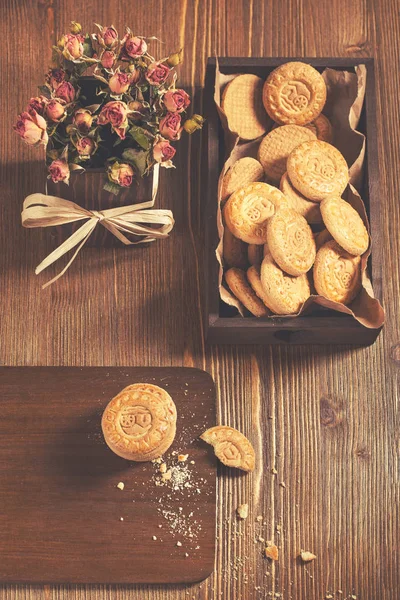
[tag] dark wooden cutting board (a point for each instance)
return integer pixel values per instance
(60, 515)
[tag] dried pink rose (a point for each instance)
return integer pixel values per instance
(119, 83)
(157, 73)
(65, 91)
(32, 128)
(121, 174)
(107, 59)
(163, 151)
(85, 146)
(72, 46)
(37, 104)
(83, 120)
(59, 170)
(176, 100)
(133, 46)
(109, 36)
(55, 77)
(116, 114)
(170, 126)
(55, 110)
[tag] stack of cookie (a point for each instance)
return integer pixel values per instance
(288, 233)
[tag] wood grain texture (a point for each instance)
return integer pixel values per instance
(326, 418)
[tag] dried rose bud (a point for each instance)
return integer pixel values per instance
(55, 110)
(176, 100)
(31, 127)
(107, 59)
(157, 73)
(121, 174)
(163, 151)
(116, 114)
(133, 46)
(75, 27)
(37, 104)
(137, 110)
(170, 126)
(194, 123)
(65, 91)
(85, 146)
(175, 59)
(59, 171)
(109, 36)
(119, 83)
(72, 46)
(83, 120)
(55, 77)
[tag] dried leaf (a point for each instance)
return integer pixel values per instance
(112, 187)
(140, 136)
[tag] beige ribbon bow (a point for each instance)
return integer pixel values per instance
(40, 210)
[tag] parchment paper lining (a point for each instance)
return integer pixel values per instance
(345, 99)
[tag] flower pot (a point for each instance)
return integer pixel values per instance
(86, 190)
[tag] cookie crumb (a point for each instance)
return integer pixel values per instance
(154, 537)
(274, 471)
(179, 544)
(259, 518)
(243, 511)
(120, 485)
(121, 518)
(186, 554)
(167, 475)
(182, 457)
(271, 551)
(163, 468)
(307, 556)
(282, 484)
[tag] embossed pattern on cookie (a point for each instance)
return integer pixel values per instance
(240, 288)
(243, 106)
(276, 147)
(317, 170)
(231, 447)
(284, 294)
(244, 171)
(140, 422)
(308, 209)
(291, 242)
(294, 93)
(322, 128)
(345, 225)
(247, 211)
(337, 274)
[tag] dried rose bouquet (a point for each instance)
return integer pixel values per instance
(107, 104)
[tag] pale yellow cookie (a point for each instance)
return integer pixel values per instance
(308, 209)
(345, 225)
(276, 147)
(283, 293)
(240, 288)
(139, 424)
(321, 238)
(322, 128)
(234, 251)
(231, 447)
(294, 93)
(337, 274)
(243, 106)
(243, 172)
(317, 170)
(255, 254)
(254, 278)
(247, 211)
(291, 242)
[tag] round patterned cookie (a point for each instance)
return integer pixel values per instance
(308, 209)
(139, 424)
(322, 128)
(294, 93)
(243, 106)
(276, 147)
(317, 170)
(283, 293)
(240, 288)
(345, 225)
(234, 251)
(247, 211)
(291, 241)
(254, 278)
(231, 447)
(337, 274)
(255, 254)
(243, 172)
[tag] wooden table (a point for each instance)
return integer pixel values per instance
(325, 417)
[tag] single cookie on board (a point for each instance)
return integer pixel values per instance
(240, 288)
(345, 225)
(321, 238)
(243, 172)
(291, 241)
(243, 106)
(294, 93)
(139, 424)
(234, 251)
(337, 274)
(276, 146)
(255, 254)
(322, 128)
(308, 209)
(254, 278)
(247, 211)
(283, 293)
(317, 170)
(231, 447)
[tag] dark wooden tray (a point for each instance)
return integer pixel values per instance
(223, 324)
(60, 508)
